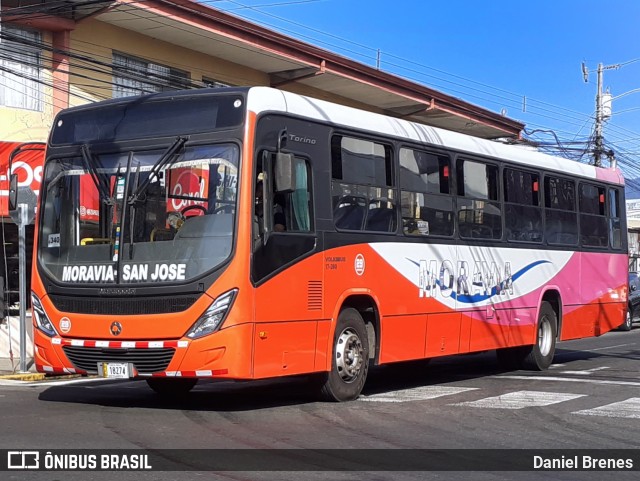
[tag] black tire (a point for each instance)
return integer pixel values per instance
(540, 356)
(350, 358)
(628, 320)
(172, 386)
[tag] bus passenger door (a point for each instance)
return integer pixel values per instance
(288, 296)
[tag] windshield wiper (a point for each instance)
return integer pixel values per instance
(168, 158)
(91, 165)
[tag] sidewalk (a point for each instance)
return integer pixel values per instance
(11, 371)
(10, 346)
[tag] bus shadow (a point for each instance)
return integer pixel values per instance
(206, 396)
(265, 394)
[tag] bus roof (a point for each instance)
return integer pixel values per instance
(265, 99)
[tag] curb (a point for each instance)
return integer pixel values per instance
(39, 376)
(28, 376)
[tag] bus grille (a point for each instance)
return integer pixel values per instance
(147, 361)
(114, 305)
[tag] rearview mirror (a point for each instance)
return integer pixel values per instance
(13, 191)
(284, 172)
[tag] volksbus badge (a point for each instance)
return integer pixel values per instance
(116, 328)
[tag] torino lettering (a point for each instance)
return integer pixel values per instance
(486, 279)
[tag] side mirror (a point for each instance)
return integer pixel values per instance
(634, 287)
(13, 191)
(284, 172)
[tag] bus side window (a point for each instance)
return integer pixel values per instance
(523, 214)
(427, 206)
(479, 212)
(362, 185)
(561, 218)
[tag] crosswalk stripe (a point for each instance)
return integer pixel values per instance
(630, 408)
(521, 399)
(415, 394)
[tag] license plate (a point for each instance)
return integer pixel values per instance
(116, 370)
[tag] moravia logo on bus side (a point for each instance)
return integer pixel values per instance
(130, 273)
(457, 282)
(486, 280)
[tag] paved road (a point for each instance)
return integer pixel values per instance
(590, 399)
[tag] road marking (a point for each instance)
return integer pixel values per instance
(606, 348)
(629, 408)
(570, 379)
(415, 394)
(585, 372)
(521, 399)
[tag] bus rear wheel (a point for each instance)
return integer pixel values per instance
(539, 356)
(172, 386)
(350, 358)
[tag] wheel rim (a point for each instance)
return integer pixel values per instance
(545, 340)
(349, 355)
(628, 319)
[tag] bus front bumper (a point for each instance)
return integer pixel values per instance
(224, 354)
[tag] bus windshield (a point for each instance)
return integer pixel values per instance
(139, 216)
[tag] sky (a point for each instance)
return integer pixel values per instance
(515, 57)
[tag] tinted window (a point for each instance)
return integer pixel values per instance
(145, 119)
(615, 231)
(523, 216)
(561, 220)
(427, 207)
(478, 218)
(594, 230)
(362, 193)
(361, 161)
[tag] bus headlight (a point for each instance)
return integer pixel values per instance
(213, 317)
(42, 320)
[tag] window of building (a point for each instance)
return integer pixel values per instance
(479, 213)
(208, 82)
(427, 206)
(136, 76)
(362, 186)
(20, 66)
(522, 211)
(561, 222)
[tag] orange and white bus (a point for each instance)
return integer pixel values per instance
(372, 240)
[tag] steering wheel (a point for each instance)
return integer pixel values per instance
(201, 208)
(227, 209)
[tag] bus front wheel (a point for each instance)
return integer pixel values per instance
(172, 386)
(350, 358)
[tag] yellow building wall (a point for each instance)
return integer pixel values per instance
(100, 40)
(21, 125)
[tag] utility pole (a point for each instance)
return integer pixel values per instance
(598, 137)
(598, 133)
